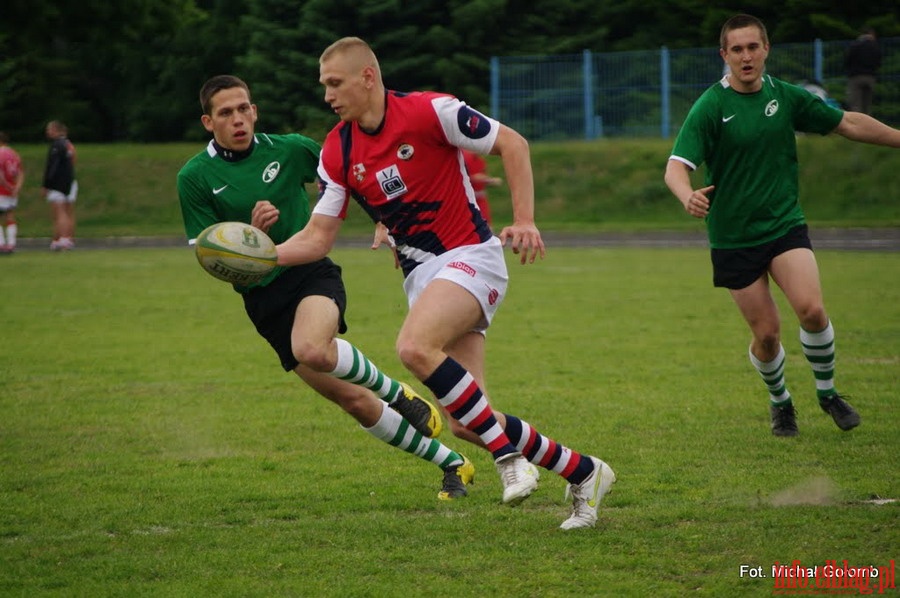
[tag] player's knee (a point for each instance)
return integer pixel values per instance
(313, 356)
(813, 317)
(768, 341)
(413, 354)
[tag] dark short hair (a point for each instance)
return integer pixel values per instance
(217, 84)
(739, 22)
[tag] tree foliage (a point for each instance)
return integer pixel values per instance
(131, 69)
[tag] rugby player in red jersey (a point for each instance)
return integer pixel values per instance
(399, 155)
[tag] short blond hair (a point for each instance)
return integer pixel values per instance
(355, 46)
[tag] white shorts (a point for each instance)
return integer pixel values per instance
(480, 269)
(8, 203)
(54, 196)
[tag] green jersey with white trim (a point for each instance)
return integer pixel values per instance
(748, 143)
(212, 189)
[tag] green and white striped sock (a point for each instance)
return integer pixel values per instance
(772, 373)
(355, 367)
(818, 347)
(396, 431)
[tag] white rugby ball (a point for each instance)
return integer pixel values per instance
(236, 252)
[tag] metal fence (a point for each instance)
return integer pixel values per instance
(649, 93)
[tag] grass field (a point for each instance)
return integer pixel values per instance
(151, 446)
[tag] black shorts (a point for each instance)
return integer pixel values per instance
(272, 308)
(739, 268)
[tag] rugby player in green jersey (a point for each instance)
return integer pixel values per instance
(743, 128)
(299, 310)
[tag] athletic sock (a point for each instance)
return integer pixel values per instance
(772, 373)
(546, 452)
(11, 233)
(457, 391)
(355, 367)
(818, 347)
(2, 237)
(393, 429)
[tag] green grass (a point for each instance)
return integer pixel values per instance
(151, 446)
(610, 184)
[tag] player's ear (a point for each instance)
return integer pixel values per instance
(368, 75)
(206, 120)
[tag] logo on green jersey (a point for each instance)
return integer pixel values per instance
(772, 108)
(270, 172)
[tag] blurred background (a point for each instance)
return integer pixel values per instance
(130, 70)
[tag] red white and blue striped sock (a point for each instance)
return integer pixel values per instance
(457, 391)
(546, 452)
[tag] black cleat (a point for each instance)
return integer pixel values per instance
(784, 420)
(843, 414)
(456, 478)
(423, 416)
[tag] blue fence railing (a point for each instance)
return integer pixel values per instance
(648, 93)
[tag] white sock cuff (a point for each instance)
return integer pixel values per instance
(817, 339)
(345, 353)
(767, 366)
(386, 426)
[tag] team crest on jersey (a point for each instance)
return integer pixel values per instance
(270, 172)
(359, 172)
(472, 123)
(772, 108)
(405, 151)
(391, 182)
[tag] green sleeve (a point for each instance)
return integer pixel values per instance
(196, 206)
(310, 153)
(812, 114)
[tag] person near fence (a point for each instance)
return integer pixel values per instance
(743, 128)
(60, 185)
(861, 62)
(300, 310)
(12, 177)
(398, 155)
(476, 167)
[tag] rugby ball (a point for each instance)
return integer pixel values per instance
(236, 252)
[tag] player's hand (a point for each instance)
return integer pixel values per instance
(264, 215)
(383, 237)
(697, 205)
(525, 239)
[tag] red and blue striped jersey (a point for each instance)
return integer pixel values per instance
(409, 174)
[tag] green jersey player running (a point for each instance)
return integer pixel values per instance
(300, 310)
(743, 128)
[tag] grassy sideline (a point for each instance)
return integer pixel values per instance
(151, 446)
(608, 184)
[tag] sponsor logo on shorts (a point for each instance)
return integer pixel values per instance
(493, 295)
(464, 267)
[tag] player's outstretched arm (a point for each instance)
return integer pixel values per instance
(857, 126)
(524, 236)
(310, 244)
